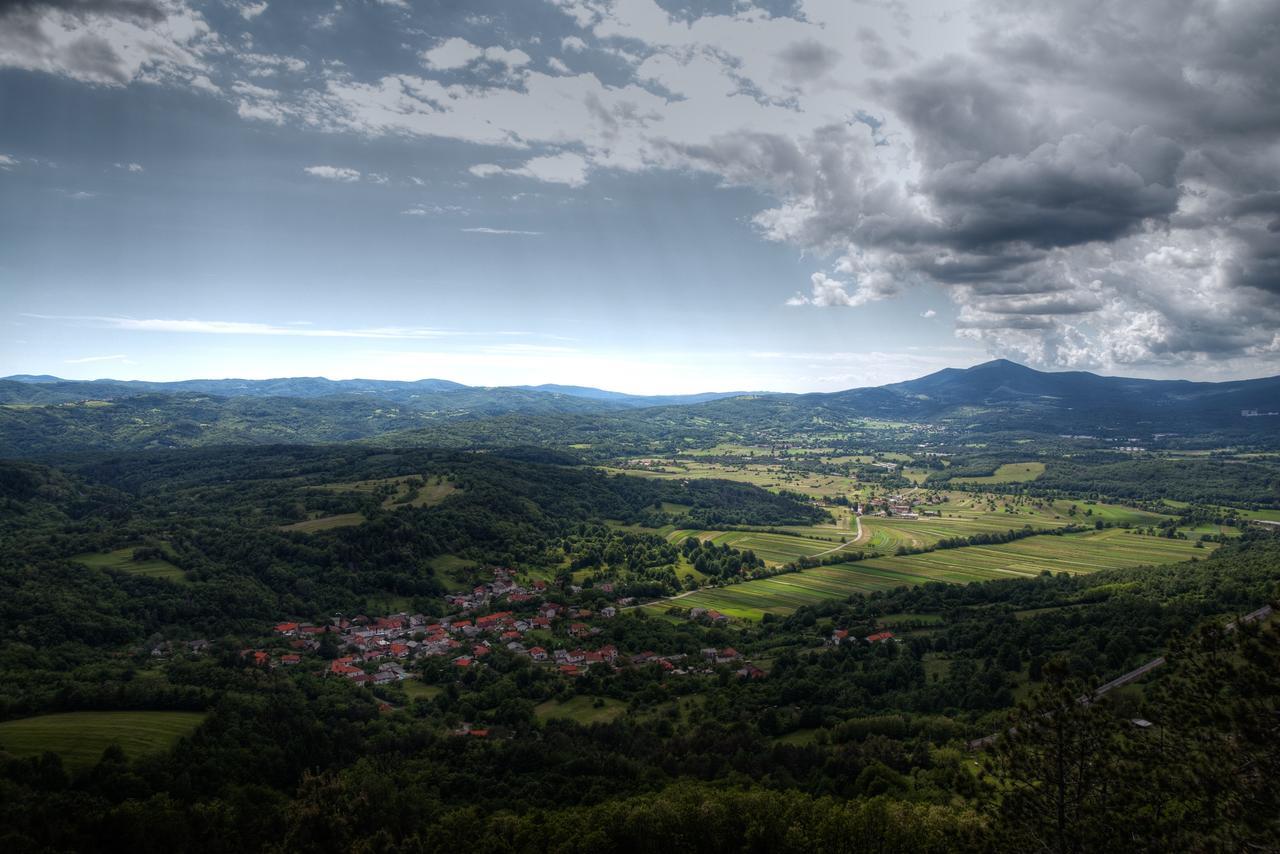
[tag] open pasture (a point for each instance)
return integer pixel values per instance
(80, 737)
(398, 490)
(1074, 553)
(1009, 473)
(122, 559)
(773, 549)
(581, 709)
(764, 475)
(324, 523)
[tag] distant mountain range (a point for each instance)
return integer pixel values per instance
(429, 394)
(43, 414)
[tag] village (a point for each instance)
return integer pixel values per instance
(382, 650)
(897, 506)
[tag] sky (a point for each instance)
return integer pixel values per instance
(641, 195)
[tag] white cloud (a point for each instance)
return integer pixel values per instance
(564, 168)
(451, 54)
(455, 53)
(249, 11)
(510, 57)
(555, 64)
(434, 210)
(268, 64)
(928, 313)
(7, 162)
(119, 357)
(573, 44)
(232, 327)
(130, 167)
(484, 230)
(333, 173)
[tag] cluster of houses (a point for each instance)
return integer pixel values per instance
(898, 506)
(505, 587)
(841, 636)
(377, 650)
(709, 614)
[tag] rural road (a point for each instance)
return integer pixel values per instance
(857, 521)
(1137, 673)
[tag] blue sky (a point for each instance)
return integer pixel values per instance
(643, 196)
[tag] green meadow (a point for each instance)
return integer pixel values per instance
(122, 559)
(1009, 473)
(581, 709)
(773, 549)
(80, 737)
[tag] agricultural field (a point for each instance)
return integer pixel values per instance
(765, 475)
(581, 709)
(80, 737)
(966, 515)
(1009, 473)
(122, 559)
(1073, 553)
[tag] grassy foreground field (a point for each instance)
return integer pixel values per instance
(581, 709)
(122, 559)
(1074, 553)
(80, 737)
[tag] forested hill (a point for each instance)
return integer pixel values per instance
(1003, 395)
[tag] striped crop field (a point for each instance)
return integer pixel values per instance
(968, 517)
(1073, 553)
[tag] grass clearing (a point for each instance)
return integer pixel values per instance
(581, 709)
(80, 737)
(773, 549)
(1009, 473)
(398, 492)
(419, 690)
(122, 559)
(324, 523)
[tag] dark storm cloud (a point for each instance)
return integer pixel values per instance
(1114, 164)
(1060, 194)
(807, 60)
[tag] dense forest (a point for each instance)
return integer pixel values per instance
(846, 746)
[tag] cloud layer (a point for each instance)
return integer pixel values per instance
(1092, 186)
